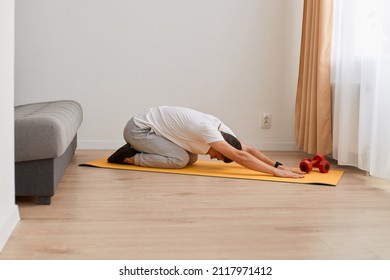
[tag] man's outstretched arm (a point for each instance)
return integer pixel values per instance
(258, 161)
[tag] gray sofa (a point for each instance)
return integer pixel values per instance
(45, 141)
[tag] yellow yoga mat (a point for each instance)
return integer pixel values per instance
(223, 170)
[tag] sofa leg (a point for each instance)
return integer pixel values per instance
(44, 200)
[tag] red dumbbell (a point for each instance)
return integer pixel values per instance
(319, 161)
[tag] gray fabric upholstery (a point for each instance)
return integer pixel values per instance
(45, 130)
(41, 177)
(45, 141)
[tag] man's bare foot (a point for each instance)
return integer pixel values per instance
(129, 160)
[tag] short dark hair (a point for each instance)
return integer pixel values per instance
(233, 141)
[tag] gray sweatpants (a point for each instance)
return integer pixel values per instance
(156, 151)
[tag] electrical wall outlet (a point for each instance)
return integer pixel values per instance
(266, 120)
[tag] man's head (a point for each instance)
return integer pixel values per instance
(233, 141)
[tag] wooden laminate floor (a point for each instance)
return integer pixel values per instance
(116, 214)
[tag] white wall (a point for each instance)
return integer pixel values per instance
(231, 58)
(9, 213)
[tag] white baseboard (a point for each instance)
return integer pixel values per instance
(8, 224)
(275, 146)
(102, 145)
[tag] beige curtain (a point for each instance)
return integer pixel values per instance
(313, 111)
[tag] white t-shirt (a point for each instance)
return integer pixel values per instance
(187, 128)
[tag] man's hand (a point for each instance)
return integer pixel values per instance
(295, 170)
(288, 172)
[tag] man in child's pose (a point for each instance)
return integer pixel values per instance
(173, 137)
